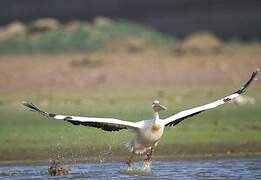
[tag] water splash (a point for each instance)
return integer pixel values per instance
(144, 170)
(146, 166)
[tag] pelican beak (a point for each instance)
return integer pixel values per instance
(158, 107)
(162, 107)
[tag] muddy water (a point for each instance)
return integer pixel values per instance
(192, 169)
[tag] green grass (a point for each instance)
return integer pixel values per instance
(23, 133)
(84, 38)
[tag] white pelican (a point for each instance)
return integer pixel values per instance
(148, 132)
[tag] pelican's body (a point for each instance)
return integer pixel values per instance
(147, 136)
(148, 132)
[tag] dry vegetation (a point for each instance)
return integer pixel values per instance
(112, 68)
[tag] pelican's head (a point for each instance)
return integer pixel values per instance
(156, 106)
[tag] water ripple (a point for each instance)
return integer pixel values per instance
(192, 169)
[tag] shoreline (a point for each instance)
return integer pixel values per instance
(91, 154)
(113, 159)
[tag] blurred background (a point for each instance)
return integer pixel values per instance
(227, 19)
(112, 59)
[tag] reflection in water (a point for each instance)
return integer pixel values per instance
(194, 169)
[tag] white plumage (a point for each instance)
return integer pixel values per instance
(148, 132)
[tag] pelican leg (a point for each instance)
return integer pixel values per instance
(149, 154)
(130, 160)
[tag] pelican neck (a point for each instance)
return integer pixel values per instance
(156, 116)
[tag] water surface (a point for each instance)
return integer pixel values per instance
(190, 169)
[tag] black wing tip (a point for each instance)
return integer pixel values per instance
(30, 105)
(34, 108)
(256, 71)
(245, 86)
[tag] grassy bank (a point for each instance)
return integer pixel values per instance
(25, 135)
(80, 37)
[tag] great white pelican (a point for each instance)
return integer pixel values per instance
(148, 132)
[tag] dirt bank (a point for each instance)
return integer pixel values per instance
(149, 67)
(164, 152)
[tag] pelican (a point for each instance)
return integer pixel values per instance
(148, 132)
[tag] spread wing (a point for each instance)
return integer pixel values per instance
(107, 124)
(177, 118)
